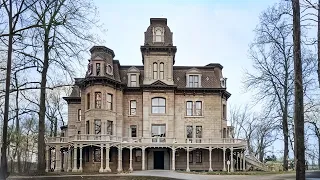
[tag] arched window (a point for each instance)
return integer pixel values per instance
(155, 70)
(161, 73)
(158, 35)
(158, 105)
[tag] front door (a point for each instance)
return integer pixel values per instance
(158, 159)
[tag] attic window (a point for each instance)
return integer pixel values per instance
(109, 69)
(223, 82)
(158, 34)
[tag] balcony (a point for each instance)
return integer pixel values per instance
(143, 140)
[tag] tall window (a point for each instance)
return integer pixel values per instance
(193, 80)
(88, 127)
(155, 70)
(158, 105)
(97, 154)
(191, 157)
(133, 107)
(109, 127)
(133, 129)
(198, 108)
(79, 114)
(198, 133)
(189, 131)
(224, 112)
(97, 100)
(98, 69)
(109, 101)
(161, 73)
(88, 101)
(158, 131)
(158, 35)
(198, 156)
(97, 126)
(133, 80)
(194, 108)
(189, 108)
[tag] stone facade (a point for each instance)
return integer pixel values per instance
(154, 116)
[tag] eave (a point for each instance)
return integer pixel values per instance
(73, 100)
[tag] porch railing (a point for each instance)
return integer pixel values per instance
(113, 138)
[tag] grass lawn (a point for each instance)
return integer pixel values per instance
(240, 172)
(96, 178)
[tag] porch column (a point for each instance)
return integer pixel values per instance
(210, 160)
(240, 160)
(101, 161)
(47, 158)
(188, 169)
(231, 160)
(80, 168)
(58, 161)
(237, 161)
(224, 159)
(69, 159)
(119, 159)
(107, 169)
(130, 167)
(173, 159)
(143, 156)
(244, 161)
(75, 166)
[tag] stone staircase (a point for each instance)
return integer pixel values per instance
(253, 162)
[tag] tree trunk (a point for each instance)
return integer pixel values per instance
(55, 126)
(298, 102)
(319, 152)
(17, 125)
(4, 165)
(41, 143)
(319, 42)
(285, 131)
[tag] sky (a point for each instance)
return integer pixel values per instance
(212, 31)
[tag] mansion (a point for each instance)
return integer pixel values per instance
(150, 116)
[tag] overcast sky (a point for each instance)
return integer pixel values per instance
(212, 31)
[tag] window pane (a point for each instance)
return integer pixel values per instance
(109, 127)
(155, 110)
(162, 110)
(133, 104)
(133, 131)
(161, 66)
(161, 75)
(199, 105)
(155, 102)
(97, 155)
(189, 112)
(198, 131)
(88, 101)
(189, 131)
(155, 67)
(189, 104)
(98, 100)
(133, 77)
(195, 78)
(97, 126)
(162, 102)
(98, 69)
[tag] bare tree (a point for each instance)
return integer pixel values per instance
(13, 10)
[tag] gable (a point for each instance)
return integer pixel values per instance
(133, 70)
(158, 83)
(193, 71)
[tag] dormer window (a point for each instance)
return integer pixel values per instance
(158, 34)
(193, 78)
(98, 69)
(133, 77)
(133, 80)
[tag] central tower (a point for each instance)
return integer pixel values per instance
(158, 53)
